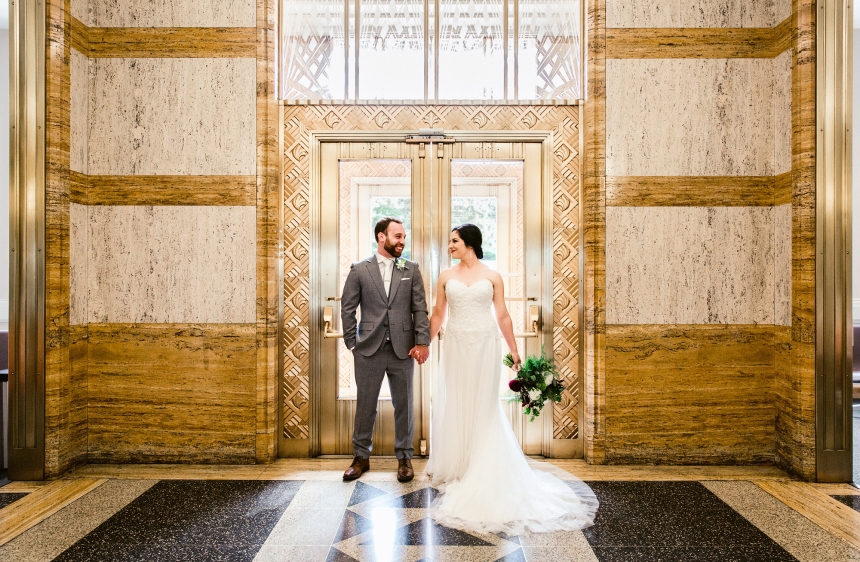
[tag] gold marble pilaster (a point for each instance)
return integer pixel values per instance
(268, 235)
(594, 211)
(795, 421)
(58, 435)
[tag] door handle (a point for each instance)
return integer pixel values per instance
(328, 314)
(534, 322)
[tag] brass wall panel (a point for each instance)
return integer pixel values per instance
(164, 190)
(691, 191)
(172, 393)
(164, 42)
(702, 42)
(690, 394)
(833, 314)
(298, 120)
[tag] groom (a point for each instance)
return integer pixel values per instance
(394, 330)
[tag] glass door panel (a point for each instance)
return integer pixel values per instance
(496, 186)
(369, 191)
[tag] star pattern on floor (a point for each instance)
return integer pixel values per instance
(394, 522)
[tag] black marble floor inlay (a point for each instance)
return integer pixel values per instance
(419, 499)
(425, 532)
(515, 556)
(9, 499)
(658, 521)
(351, 525)
(851, 501)
(364, 492)
(189, 520)
(335, 555)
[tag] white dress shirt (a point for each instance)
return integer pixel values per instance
(386, 265)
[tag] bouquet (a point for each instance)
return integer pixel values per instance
(536, 382)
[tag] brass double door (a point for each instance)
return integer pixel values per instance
(432, 187)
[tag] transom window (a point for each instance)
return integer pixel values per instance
(431, 50)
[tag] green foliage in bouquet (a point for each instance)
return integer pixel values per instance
(535, 383)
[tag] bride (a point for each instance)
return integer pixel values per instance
(485, 481)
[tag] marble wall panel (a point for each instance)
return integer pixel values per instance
(171, 264)
(689, 265)
(172, 116)
(78, 104)
(78, 244)
(171, 13)
(80, 10)
(700, 13)
(782, 113)
(782, 265)
(678, 117)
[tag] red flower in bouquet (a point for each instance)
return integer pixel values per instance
(515, 385)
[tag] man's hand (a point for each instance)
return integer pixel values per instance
(420, 353)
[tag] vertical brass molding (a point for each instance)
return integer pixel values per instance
(316, 302)
(27, 240)
(833, 409)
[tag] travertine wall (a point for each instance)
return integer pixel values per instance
(699, 226)
(689, 268)
(168, 214)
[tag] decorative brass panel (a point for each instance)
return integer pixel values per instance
(299, 120)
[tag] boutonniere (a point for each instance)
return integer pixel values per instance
(400, 264)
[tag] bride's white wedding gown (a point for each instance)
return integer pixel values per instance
(486, 482)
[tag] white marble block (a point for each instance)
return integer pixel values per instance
(170, 13)
(689, 265)
(689, 117)
(78, 105)
(696, 13)
(782, 113)
(782, 264)
(172, 116)
(78, 244)
(171, 264)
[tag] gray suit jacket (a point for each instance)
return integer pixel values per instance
(403, 312)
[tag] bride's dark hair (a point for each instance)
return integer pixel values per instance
(472, 238)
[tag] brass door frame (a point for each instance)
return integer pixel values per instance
(27, 113)
(549, 447)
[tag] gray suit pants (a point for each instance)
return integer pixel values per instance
(369, 372)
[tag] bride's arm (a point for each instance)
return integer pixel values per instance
(503, 318)
(440, 309)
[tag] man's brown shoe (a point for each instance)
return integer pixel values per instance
(358, 467)
(404, 470)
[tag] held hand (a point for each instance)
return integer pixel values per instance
(517, 363)
(420, 353)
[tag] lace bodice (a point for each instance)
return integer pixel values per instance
(470, 307)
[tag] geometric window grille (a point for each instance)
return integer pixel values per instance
(431, 50)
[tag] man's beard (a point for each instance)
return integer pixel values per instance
(392, 249)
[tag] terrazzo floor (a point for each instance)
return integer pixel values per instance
(313, 516)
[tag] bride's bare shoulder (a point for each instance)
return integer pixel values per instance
(493, 276)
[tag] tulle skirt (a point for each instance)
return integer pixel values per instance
(487, 485)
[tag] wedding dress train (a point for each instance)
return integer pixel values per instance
(486, 483)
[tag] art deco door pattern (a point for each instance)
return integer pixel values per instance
(380, 164)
